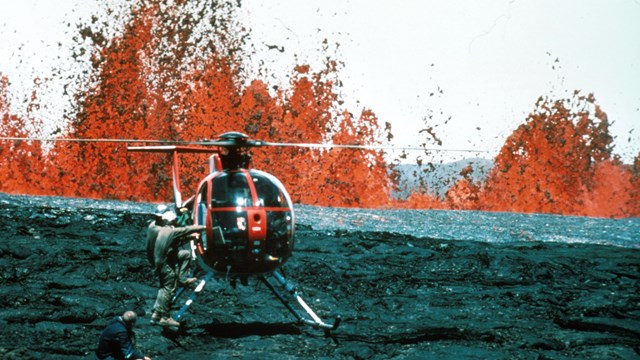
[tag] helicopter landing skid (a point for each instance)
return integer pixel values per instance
(315, 319)
(192, 297)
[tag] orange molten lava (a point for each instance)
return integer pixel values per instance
(148, 84)
(560, 161)
(175, 74)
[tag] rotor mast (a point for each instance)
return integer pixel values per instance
(229, 152)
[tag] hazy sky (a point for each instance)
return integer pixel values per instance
(485, 62)
(491, 60)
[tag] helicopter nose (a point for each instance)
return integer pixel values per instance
(257, 229)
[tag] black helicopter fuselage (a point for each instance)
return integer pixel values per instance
(249, 219)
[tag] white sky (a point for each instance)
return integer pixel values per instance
(492, 59)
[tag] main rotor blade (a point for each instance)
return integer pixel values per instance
(43, 139)
(221, 143)
(250, 143)
(364, 147)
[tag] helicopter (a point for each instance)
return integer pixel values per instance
(249, 220)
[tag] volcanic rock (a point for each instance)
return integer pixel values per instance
(67, 269)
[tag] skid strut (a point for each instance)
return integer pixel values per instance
(291, 290)
(193, 296)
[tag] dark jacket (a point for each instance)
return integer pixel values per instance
(117, 342)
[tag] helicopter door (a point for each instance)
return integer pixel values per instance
(201, 200)
(230, 197)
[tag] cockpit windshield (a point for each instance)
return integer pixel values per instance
(269, 194)
(230, 190)
(251, 221)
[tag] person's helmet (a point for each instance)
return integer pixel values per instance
(160, 210)
(169, 217)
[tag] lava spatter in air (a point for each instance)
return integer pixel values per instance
(175, 72)
(560, 161)
(21, 161)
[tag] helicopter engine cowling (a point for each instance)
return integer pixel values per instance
(249, 219)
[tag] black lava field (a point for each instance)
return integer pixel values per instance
(67, 266)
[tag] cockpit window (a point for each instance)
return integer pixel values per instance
(230, 190)
(269, 195)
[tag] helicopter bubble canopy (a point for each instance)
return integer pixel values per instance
(250, 222)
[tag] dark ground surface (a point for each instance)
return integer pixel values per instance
(65, 273)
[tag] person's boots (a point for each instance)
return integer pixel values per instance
(168, 321)
(189, 281)
(155, 318)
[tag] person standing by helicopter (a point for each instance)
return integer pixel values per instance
(172, 264)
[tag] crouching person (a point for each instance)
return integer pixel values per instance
(117, 340)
